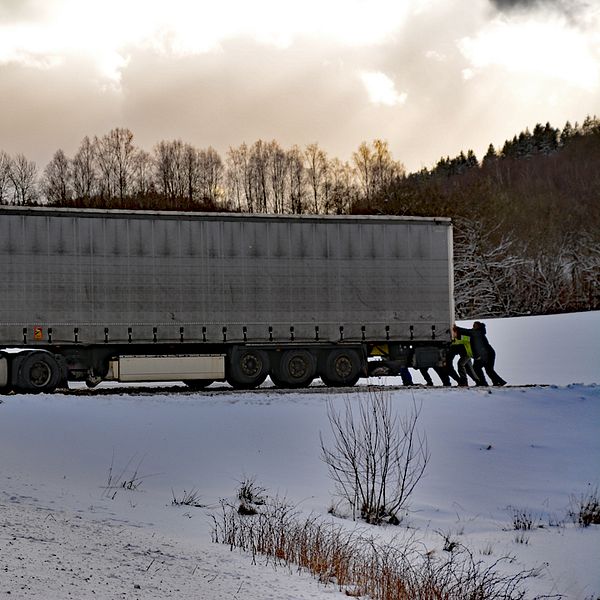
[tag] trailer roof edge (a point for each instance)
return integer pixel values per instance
(98, 212)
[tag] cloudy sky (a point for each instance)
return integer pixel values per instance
(430, 76)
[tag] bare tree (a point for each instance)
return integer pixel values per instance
(364, 161)
(376, 168)
(385, 168)
(191, 173)
(5, 181)
(489, 271)
(377, 458)
(23, 175)
(584, 273)
(316, 166)
(564, 275)
(278, 167)
(259, 171)
(169, 169)
(247, 175)
(84, 170)
(106, 167)
(142, 180)
(162, 168)
(297, 180)
(115, 155)
(57, 180)
(234, 178)
(210, 170)
(343, 192)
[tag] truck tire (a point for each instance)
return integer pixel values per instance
(247, 368)
(38, 372)
(297, 368)
(342, 368)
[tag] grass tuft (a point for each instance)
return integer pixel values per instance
(191, 498)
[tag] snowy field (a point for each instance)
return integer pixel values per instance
(494, 453)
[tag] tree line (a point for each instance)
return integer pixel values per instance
(112, 172)
(527, 216)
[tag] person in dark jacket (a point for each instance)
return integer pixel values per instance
(484, 355)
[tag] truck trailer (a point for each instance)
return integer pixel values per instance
(93, 295)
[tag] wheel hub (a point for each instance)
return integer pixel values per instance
(251, 365)
(297, 367)
(343, 367)
(40, 374)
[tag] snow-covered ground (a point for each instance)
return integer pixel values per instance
(494, 453)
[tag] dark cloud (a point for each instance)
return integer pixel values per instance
(570, 8)
(244, 92)
(47, 109)
(523, 4)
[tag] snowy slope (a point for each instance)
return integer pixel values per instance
(493, 453)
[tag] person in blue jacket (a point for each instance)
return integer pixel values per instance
(484, 355)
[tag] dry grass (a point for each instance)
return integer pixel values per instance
(128, 478)
(359, 564)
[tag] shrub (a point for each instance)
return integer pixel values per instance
(522, 520)
(585, 509)
(250, 496)
(377, 458)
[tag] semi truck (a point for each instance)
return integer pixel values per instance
(95, 295)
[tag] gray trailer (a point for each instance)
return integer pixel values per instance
(95, 295)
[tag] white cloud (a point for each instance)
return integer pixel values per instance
(437, 56)
(381, 89)
(551, 49)
(106, 30)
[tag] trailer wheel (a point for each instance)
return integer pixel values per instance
(248, 368)
(297, 368)
(342, 368)
(38, 372)
(198, 384)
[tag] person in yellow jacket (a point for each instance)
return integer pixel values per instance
(461, 347)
